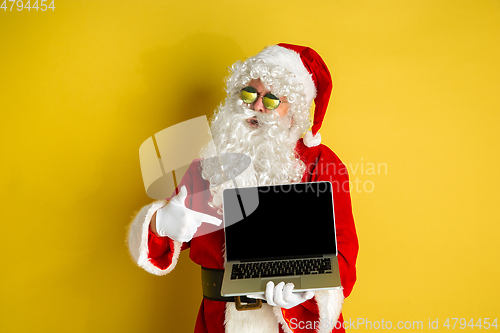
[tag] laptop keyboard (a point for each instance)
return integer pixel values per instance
(281, 268)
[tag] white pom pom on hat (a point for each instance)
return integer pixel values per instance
(310, 140)
(308, 67)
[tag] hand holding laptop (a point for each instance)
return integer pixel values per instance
(282, 295)
(178, 222)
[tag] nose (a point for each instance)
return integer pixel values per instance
(258, 105)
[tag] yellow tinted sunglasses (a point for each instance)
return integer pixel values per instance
(249, 95)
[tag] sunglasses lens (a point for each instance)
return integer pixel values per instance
(248, 95)
(271, 102)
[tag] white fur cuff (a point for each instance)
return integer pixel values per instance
(329, 306)
(138, 240)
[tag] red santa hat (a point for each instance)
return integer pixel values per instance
(310, 70)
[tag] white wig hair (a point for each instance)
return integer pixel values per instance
(271, 146)
(281, 81)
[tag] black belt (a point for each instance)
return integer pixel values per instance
(211, 281)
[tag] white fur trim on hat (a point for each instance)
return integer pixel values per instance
(310, 140)
(138, 240)
(290, 60)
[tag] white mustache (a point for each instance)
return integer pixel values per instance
(264, 119)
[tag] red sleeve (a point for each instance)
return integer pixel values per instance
(323, 165)
(161, 250)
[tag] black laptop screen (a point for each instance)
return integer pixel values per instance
(279, 222)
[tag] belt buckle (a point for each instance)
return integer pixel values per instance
(247, 306)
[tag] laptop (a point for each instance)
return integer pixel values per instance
(279, 233)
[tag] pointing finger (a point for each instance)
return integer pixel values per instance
(200, 217)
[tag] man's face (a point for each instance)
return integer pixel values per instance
(258, 105)
(266, 140)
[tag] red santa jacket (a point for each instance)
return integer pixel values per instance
(158, 255)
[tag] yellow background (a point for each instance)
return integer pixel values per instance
(416, 91)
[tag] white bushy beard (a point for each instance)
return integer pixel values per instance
(270, 146)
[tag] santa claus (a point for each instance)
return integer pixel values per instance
(264, 116)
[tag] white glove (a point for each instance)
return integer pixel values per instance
(178, 222)
(282, 295)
